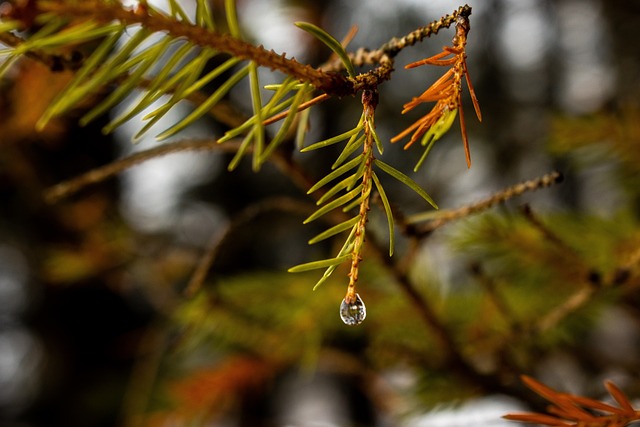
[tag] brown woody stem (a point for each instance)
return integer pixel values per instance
(369, 103)
(328, 82)
(327, 78)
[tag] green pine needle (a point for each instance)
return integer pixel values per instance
(334, 140)
(204, 18)
(205, 106)
(387, 210)
(303, 92)
(346, 198)
(232, 18)
(242, 150)
(336, 173)
(395, 173)
(256, 100)
(336, 229)
(372, 129)
(346, 183)
(331, 42)
(315, 265)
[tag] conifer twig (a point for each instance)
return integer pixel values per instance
(332, 83)
(591, 283)
(548, 234)
(442, 217)
(70, 187)
(323, 78)
(395, 45)
(570, 305)
(588, 285)
(502, 306)
(94, 176)
(384, 56)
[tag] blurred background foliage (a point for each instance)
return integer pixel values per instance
(95, 325)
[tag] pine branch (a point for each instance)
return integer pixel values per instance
(447, 92)
(72, 186)
(94, 176)
(369, 104)
(324, 78)
(434, 220)
(106, 12)
(388, 51)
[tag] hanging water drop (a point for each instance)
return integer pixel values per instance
(353, 313)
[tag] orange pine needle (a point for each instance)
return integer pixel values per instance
(441, 89)
(349, 36)
(427, 60)
(465, 139)
(472, 92)
(571, 410)
(434, 60)
(537, 419)
(446, 92)
(619, 396)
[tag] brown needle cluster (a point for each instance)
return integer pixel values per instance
(446, 92)
(571, 410)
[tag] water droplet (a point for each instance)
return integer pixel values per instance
(353, 313)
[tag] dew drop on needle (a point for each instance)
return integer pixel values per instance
(353, 313)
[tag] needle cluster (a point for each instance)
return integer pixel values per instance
(446, 92)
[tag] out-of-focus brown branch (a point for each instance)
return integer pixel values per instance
(453, 358)
(440, 218)
(94, 176)
(488, 284)
(590, 283)
(277, 204)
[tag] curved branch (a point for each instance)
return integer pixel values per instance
(208, 258)
(94, 176)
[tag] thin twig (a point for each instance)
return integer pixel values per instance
(491, 290)
(440, 218)
(389, 50)
(548, 234)
(240, 220)
(592, 282)
(94, 176)
(569, 306)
